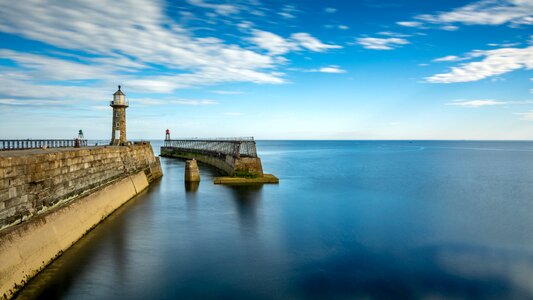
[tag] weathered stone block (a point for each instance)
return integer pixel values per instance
(12, 192)
(4, 195)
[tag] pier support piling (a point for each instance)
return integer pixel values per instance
(192, 174)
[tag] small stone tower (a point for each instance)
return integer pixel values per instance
(119, 105)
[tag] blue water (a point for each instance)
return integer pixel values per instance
(349, 220)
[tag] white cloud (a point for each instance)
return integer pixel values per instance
(221, 9)
(116, 45)
(30, 102)
(286, 15)
(277, 45)
(381, 43)
(494, 62)
(50, 68)
(305, 40)
(486, 12)
(330, 10)
(192, 102)
(245, 25)
(503, 45)
(450, 27)
(394, 34)
(527, 116)
(220, 92)
(271, 42)
(343, 27)
(288, 12)
(448, 58)
(233, 114)
(167, 101)
(19, 85)
(331, 69)
(409, 23)
(100, 107)
(476, 103)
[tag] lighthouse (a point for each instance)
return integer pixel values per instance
(119, 105)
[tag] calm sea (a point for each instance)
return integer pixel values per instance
(349, 220)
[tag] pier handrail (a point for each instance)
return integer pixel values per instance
(235, 147)
(225, 139)
(20, 144)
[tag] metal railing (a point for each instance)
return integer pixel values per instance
(36, 144)
(119, 103)
(235, 147)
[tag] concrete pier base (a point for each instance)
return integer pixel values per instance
(266, 178)
(192, 174)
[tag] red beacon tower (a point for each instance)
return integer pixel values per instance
(167, 137)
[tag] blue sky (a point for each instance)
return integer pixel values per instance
(269, 69)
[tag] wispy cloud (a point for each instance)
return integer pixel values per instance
(487, 12)
(448, 58)
(233, 114)
(194, 102)
(503, 45)
(117, 45)
(330, 10)
(494, 62)
(409, 23)
(449, 27)
(394, 34)
(527, 116)
(222, 9)
(476, 103)
(221, 92)
(30, 102)
(277, 45)
(273, 43)
(331, 69)
(381, 43)
(307, 41)
(288, 11)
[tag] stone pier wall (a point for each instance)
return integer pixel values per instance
(248, 167)
(223, 164)
(33, 181)
(242, 166)
(50, 198)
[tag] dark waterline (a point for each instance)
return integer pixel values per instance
(349, 219)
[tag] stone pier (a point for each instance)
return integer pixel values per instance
(50, 198)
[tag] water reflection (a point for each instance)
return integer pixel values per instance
(247, 199)
(191, 186)
(60, 277)
(422, 273)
